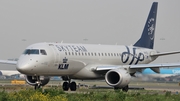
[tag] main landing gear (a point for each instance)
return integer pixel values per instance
(124, 89)
(66, 85)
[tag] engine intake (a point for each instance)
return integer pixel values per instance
(117, 78)
(32, 80)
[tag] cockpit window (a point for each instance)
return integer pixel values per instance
(31, 51)
(43, 52)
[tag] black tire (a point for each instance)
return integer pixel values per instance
(116, 88)
(125, 89)
(65, 86)
(73, 86)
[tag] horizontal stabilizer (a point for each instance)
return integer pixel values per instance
(165, 53)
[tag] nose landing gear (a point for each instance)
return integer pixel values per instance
(38, 83)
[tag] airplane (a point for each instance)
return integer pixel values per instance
(11, 74)
(171, 73)
(114, 63)
(9, 71)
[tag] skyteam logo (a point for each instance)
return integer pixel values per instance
(126, 56)
(151, 28)
(64, 65)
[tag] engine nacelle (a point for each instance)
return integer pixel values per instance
(32, 80)
(118, 78)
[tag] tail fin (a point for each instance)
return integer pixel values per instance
(147, 37)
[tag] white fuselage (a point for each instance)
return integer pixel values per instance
(78, 60)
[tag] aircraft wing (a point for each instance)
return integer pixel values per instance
(143, 66)
(154, 67)
(8, 62)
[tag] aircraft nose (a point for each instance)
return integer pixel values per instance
(22, 67)
(27, 65)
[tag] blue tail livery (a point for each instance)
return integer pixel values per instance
(147, 38)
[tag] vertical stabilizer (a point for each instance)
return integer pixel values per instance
(147, 37)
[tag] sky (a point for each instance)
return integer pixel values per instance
(25, 22)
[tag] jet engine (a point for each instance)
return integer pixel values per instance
(35, 80)
(117, 78)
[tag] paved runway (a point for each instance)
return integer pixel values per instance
(162, 86)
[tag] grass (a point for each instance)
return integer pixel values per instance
(27, 93)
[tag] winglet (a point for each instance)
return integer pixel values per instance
(147, 37)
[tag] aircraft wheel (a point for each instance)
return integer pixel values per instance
(125, 89)
(73, 86)
(116, 88)
(65, 86)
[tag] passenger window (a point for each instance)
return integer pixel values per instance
(92, 54)
(43, 52)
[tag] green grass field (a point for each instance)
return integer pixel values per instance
(56, 94)
(53, 92)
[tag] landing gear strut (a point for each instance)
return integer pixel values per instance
(38, 83)
(37, 86)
